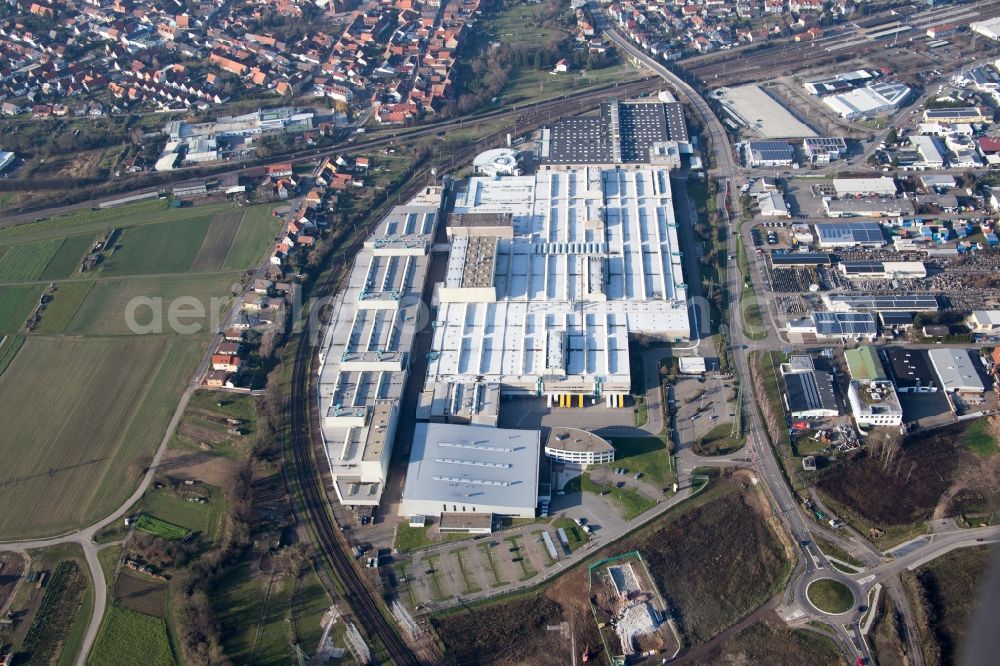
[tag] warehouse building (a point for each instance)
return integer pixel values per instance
(365, 352)
(989, 28)
(910, 370)
(956, 371)
(864, 365)
(883, 270)
(850, 234)
(872, 207)
(865, 187)
(644, 131)
(985, 321)
(952, 116)
(836, 326)
(772, 204)
(594, 257)
(823, 150)
(769, 154)
(930, 149)
(809, 393)
(467, 469)
(872, 100)
(881, 302)
(578, 447)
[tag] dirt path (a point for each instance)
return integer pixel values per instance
(709, 651)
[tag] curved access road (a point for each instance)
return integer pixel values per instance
(769, 471)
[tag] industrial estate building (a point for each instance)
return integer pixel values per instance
(769, 154)
(472, 469)
(836, 325)
(850, 234)
(809, 393)
(633, 132)
(874, 404)
(865, 187)
(872, 100)
(871, 395)
(591, 256)
(578, 447)
(956, 370)
(985, 321)
(545, 279)
(365, 352)
(867, 270)
(823, 150)
(910, 370)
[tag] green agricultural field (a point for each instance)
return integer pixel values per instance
(9, 346)
(254, 237)
(159, 248)
(129, 637)
(161, 528)
(16, 305)
(26, 261)
(66, 261)
(105, 310)
(56, 616)
(66, 301)
(177, 509)
(78, 416)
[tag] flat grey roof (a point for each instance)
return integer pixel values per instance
(574, 439)
(473, 465)
(470, 220)
(956, 369)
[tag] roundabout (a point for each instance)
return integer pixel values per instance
(830, 596)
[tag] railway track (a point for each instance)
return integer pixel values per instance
(305, 427)
(792, 56)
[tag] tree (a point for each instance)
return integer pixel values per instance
(267, 344)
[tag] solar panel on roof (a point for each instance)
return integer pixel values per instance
(857, 267)
(801, 259)
(912, 302)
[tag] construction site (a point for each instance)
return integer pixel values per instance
(631, 615)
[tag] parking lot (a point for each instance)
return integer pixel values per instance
(700, 407)
(481, 565)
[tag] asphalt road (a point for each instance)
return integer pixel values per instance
(768, 468)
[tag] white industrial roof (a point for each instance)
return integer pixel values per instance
(595, 255)
(762, 113)
(471, 464)
(870, 99)
(955, 369)
(987, 27)
(987, 317)
(883, 185)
